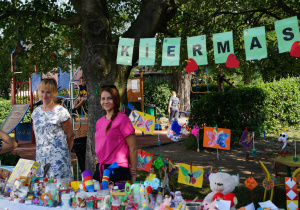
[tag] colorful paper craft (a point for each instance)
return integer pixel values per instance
(190, 175)
(246, 139)
(232, 62)
(144, 160)
(191, 65)
(251, 183)
(291, 193)
(143, 122)
(295, 49)
(219, 139)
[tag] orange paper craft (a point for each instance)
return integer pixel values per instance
(219, 139)
(250, 183)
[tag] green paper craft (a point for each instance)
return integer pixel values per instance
(255, 43)
(197, 49)
(287, 31)
(125, 51)
(158, 163)
(171, 51)
(223, 46)
(147, 51)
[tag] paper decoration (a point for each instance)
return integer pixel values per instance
(291, 193)
(190, 175)
(174, 131)
(158, 163)
(255, 43)
(268, 184)
(295, 49)
(232, 62)
(147, 51)
(191, 65)
(171, 51)
(197, 49)
(144, 160)
(251, 183)
(287, 31)
(283, 137)
(195, 131)
(219, 139)
(223, 46)
(268, 205)
(246, 139)
(125, 51)
(142, 121)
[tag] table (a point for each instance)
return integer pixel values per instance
(289, 162)
(10, 205)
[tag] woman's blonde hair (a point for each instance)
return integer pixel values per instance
(48, 84)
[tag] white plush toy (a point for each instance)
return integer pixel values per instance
(222, 185)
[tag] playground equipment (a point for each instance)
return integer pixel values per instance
(24, 96)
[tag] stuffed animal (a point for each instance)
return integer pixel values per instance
(222, 184)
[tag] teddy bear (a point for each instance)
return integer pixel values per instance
(222, 184)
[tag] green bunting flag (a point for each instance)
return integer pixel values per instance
(197, 49)
(287, 31)
(147, 51)
(125, 51)
(223, 46)
(255, 43)
(171, 51)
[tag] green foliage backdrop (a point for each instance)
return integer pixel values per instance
(265, 107)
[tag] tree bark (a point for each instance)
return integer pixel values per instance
(182, 85)
(247, 75)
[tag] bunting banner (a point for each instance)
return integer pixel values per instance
(287, 31)
(223, 46)
(171, 52)
(125, 51)
(197, 49)
(255, 43)
(147, 52)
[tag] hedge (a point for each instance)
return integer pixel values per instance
(265, 107)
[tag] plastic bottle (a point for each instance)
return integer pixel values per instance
(102, 199)
(136, 192)
(65, 200)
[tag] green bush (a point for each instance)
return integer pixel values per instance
(158, 93)
(5, 106)
(9, 159)
(267, 107)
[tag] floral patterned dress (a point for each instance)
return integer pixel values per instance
(51, 142)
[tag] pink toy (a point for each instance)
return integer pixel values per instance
(166, 202)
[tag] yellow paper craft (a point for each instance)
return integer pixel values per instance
(25, 168)
(190, 175)
(219, 139)
(144, 122)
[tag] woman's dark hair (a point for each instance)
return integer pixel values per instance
(112, 90)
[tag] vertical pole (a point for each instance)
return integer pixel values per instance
(197, 85)
(142, 91)
(13, 84)
(207, 80)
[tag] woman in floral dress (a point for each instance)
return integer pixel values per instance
(53, 131)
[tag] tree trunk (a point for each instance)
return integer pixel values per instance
(182, 85)
(247, 76)
(99, 54)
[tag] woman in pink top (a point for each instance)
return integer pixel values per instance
(115, 139)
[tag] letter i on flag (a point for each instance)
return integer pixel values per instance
(291, 193)
(147, 51)
(125, 51)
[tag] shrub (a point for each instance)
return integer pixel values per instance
(9, 159)
(158, 93)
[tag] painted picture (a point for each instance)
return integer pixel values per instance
(190, 175)
(247, 139)
(144, 161)
(219, 139)
(143, 122)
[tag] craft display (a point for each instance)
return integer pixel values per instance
(144, 160)
(231, 61)
(218, 138)
(251, 184)
(246, 139)
(175, 131)
(190, 175)
(283, 137)
(24, 168)
(191, 65)
(292, 202)
(295, 49)
(88, 184)
(223, 184)
(142, 121)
